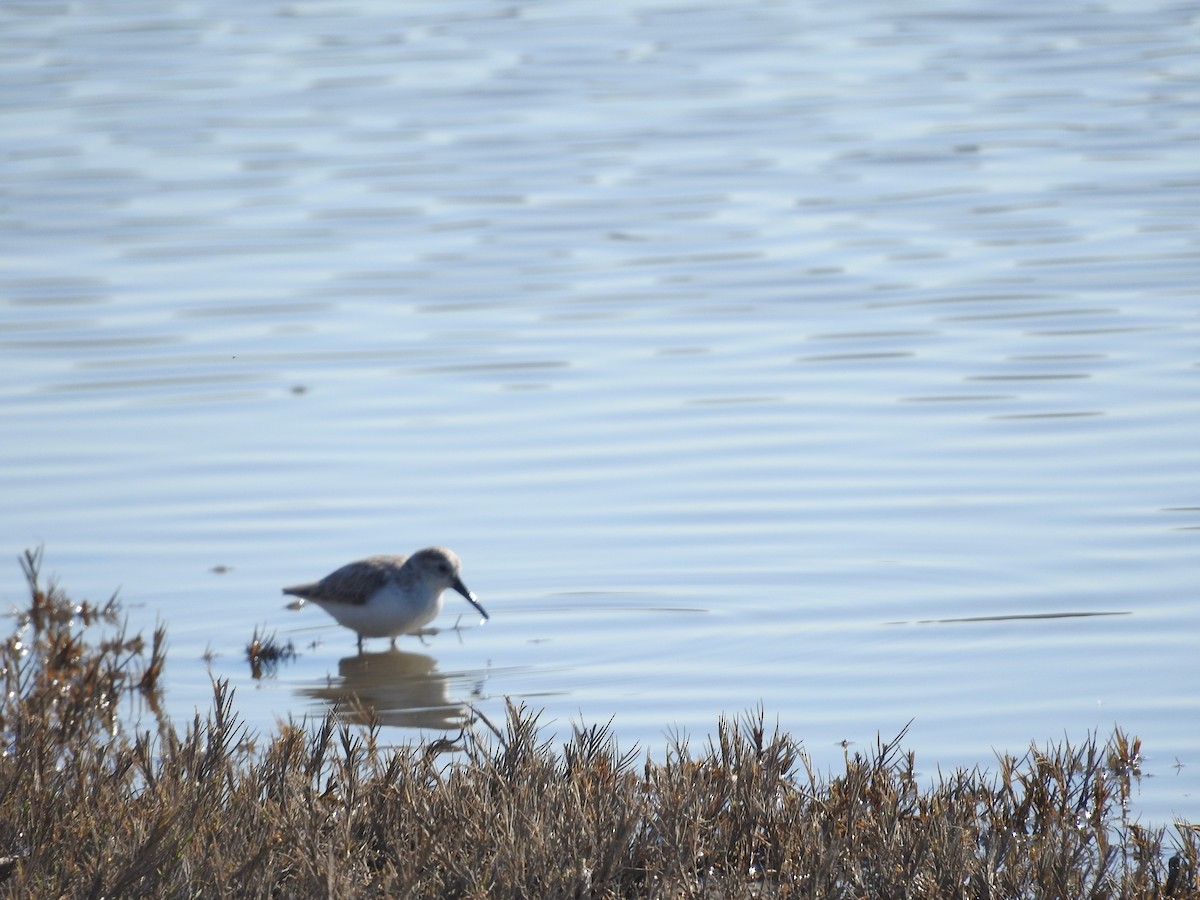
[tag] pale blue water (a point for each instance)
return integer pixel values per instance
(734, 348)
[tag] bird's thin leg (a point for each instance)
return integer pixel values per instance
(360, 645)
(393, 642)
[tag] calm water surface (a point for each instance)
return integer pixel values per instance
(838, 359)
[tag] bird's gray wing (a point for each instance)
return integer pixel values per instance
(353, 583)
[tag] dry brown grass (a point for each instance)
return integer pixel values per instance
(91, 807)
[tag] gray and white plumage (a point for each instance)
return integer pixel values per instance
(387, 596)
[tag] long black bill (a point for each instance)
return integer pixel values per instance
(462, 589)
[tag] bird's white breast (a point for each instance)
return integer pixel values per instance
(388, 612)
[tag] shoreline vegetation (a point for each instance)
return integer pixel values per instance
(91, 806)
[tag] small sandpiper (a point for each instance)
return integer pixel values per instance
(387, 596)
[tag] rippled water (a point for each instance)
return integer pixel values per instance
(835, 358)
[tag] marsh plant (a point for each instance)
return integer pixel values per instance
(95, 806)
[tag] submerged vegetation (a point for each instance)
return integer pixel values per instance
(92, 806)
(265, 653)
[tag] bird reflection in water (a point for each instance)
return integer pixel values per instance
(393, 688)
